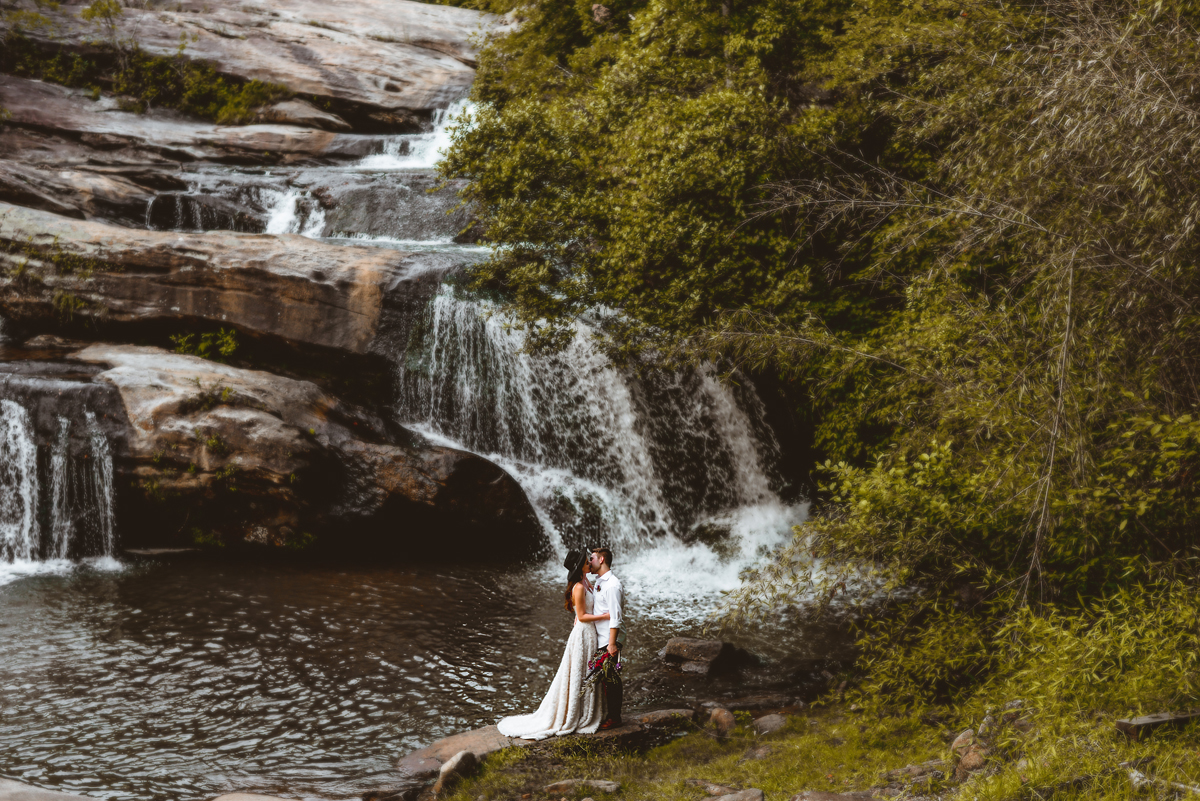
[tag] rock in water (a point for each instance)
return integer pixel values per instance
(666, 718)
(703, 657)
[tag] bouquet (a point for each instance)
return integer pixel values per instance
(605, 667)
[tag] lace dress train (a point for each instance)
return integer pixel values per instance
(567, 707)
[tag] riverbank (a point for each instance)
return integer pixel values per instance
(837, 751)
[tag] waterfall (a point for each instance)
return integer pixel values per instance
(295, 212)
(419, 151)
(676, 467)
(18, 484)
(75, 479)
(100, 473)
(61, 522)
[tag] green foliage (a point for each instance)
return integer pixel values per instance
(193, 88)
(213, 443)
(1075, 673)
(304, 540)
(67, 304)
(965, 236)
(819, 750)
(216, 346)
(1046, 270)
(53, 255)
(105, 15)
(152, 490)
(621, 162)
(206, 539)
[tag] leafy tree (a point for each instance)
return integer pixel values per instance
(964, 231)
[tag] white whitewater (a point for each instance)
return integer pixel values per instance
(62, 523)
(78, 520)
(100, 473)
(419, 151)
(19, 535)
(645, 465)
(296, 212)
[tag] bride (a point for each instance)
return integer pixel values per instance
(568, 707)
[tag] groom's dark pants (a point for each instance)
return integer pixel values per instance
(614, 695)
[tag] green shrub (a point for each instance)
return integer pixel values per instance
(216, 347)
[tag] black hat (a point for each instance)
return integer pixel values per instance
(575, 559)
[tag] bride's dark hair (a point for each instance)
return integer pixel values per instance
(573, 578)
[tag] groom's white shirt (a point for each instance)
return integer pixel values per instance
(609, 598)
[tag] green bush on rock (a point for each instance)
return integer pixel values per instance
(216, 346)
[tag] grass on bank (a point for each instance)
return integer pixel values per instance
(823, 750)
(834, 750)
(1053, 683)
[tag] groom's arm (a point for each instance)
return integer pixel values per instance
(615, 621)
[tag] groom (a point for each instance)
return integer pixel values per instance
(611, 632)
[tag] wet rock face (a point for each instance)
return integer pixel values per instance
(246, 457)
(383, 59)
(58, 272)
(396, 205)
(53, 391)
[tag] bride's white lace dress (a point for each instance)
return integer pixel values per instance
(567, 707)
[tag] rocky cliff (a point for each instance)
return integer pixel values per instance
(128, 234)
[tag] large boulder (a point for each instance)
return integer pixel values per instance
(389, 58)
(242, 456)
(702, 657)
(60, 273)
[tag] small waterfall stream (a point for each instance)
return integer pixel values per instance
(419, 151)
(61, 522)
(19, 534)
(57, 504)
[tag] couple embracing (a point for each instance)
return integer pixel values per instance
(575, 703)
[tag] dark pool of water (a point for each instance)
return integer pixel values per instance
(189, 678)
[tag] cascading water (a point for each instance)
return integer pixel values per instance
(18, 485)
(675, 467)
(419, 151)
(56, 508)
(296, 213)
(61, 522)
(100, 474)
